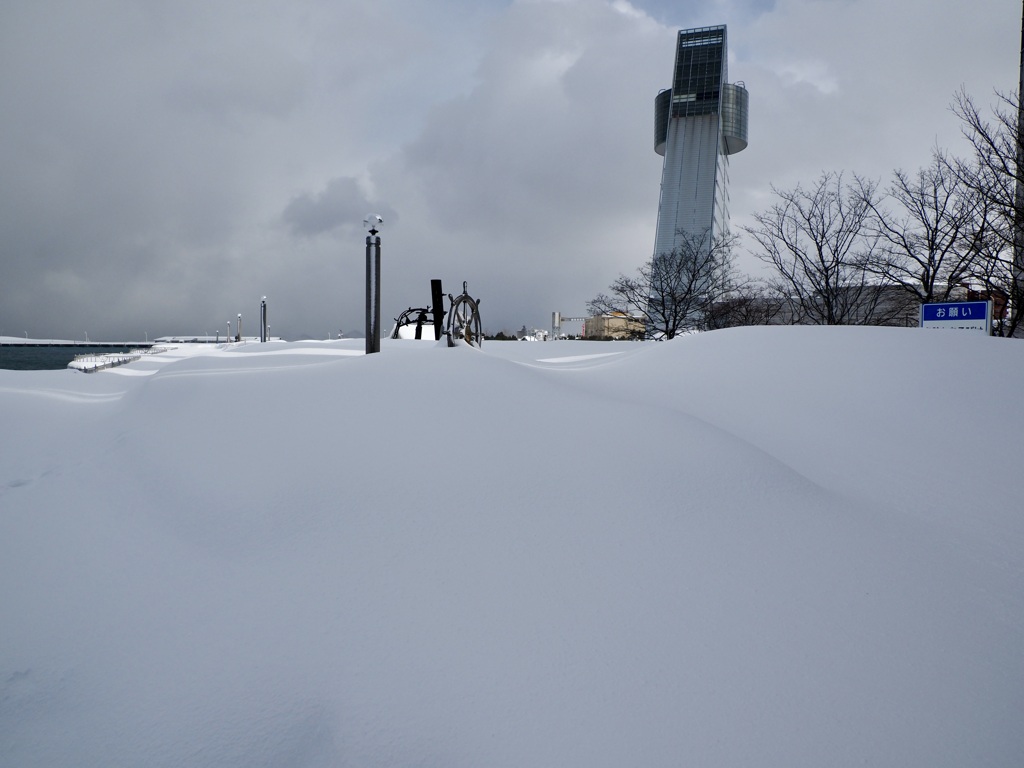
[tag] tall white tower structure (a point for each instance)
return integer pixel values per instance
(698, 123)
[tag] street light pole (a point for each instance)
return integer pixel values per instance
(373, 223)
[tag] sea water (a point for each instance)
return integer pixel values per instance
(28, 357)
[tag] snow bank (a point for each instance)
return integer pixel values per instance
(770, 546)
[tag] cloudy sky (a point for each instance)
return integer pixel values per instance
(163, 165)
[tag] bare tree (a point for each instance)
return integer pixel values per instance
(818, 241)
(997, 175)
(749, 302)
(926, 227)
(674, 291)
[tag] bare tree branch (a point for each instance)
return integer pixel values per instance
(997, 176)
(820, 245)
(925, 226)
(674, 291)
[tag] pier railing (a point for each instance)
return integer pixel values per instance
(93, 363)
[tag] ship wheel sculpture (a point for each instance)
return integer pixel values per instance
(464, 320)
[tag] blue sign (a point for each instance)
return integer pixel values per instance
(961, 315)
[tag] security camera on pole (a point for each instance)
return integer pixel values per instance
(373, 223)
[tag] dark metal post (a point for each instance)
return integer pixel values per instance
(369, 298)
(436, 306)
(263, 319)
(372, 284)
(376, 294)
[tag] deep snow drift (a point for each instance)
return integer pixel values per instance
(764, 546)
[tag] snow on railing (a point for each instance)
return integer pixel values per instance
(93, 363)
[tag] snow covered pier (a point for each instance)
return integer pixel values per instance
(93, 363)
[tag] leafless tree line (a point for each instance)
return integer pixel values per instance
(675, 291)
(846, 251)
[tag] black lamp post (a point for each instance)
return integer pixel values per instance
(373, 223)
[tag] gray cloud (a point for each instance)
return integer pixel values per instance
(342, 203)
(165, 165)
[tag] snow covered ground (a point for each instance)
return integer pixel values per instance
(762, 546)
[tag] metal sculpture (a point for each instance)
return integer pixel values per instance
(464, 319)
(460, 323)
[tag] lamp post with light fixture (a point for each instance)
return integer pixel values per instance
(373, 223)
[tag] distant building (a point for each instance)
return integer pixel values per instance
(698, 123)
(534, 334)
(614, 326)
(857, 305)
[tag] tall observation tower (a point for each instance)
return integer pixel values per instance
(698, 123)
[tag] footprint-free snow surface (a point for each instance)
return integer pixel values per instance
(755, 547)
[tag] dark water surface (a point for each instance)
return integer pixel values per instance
(26, 357)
